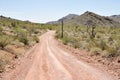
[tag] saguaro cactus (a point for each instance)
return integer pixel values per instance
(62, 29)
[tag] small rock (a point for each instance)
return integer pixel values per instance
(99, 60)
(18, 63)
(76, 53)
(118, 61)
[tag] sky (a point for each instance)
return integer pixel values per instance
(42, 11)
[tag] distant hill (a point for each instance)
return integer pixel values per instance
(82, 20)
(9, 19)
(66, 18)
(115, 17)
(69, 17)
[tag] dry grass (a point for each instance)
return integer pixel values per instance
(16, 50)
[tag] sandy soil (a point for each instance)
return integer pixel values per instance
(48, 61)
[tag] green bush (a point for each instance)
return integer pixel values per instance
(5, 40)
(58, 35)
(65, 40)
(112, 51)
(24, 40)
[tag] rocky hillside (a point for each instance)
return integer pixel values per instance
(66, 18)
(69, 17)
(85, 17)
(115, 17)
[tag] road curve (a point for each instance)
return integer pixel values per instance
(50, 62)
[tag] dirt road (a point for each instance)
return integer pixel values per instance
(46, 61)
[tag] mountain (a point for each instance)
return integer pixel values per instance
(115, 17)
(69, 17)
(88, 16)
(66, 18)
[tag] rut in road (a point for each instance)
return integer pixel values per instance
(50, 62)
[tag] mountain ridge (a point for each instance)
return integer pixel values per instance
(82, 19)
(115, 17)
(67, 17)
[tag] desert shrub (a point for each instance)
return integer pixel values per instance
(98, 36)
(5, 40)
(32, 40)
(17, 43)
(112, 51)
(101, 44)
(95, 51)
(1, 29)
(24, 40)
(105, 41)
(105, 53)
(20, 31)
(66, 40)
(22, 35)
(76, 45)
(16, 51)
(31, 30)
(36, 39)
(37, 31)
(13, 24)
(82, 44)
(118, 52)
(58, 35)
(84, 35)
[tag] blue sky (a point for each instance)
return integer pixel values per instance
(50, 10)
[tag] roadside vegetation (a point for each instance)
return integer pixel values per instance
(16, 37)
(103, 41)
